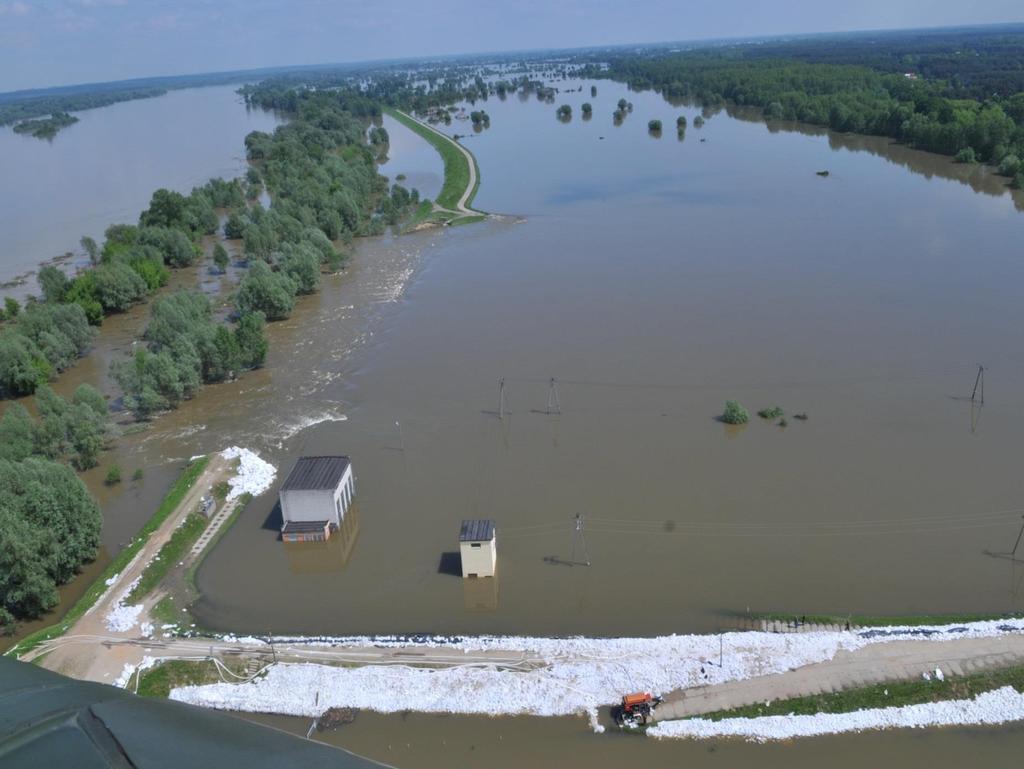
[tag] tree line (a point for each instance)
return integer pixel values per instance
(921, 113)
(49, 523)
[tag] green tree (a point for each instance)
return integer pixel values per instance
(166, 209)
(49, 526)
(301, 263)
(966, 155)
(220, 258)
(90, 248)
(735, 414)
(263, 290)
(234, 227)
(118, 286)
(22, 366)
(17, 433)
(654, 126)
(53, 283)
(113, 475)
(11, 307)
(252, 341)
(174, 245)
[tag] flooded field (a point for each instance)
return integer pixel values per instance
(104, 168)
(417, 741)
(654, 278)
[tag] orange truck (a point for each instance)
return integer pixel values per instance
(636, 708)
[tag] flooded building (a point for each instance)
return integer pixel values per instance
(478, 548)
(315, 498)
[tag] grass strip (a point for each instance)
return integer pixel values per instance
(173, 609)
(181, 487)
(173, 551)
(456, 164)
(158, 680)
(896, 694)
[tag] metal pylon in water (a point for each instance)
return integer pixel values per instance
(578, 540)
(501, 398)
(1012, 554)
(554, 407)
(979, 382)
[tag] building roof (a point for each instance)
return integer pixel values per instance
(316, 474)
(49, 720)
(302, 527)
(476, 531)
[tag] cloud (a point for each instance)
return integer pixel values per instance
(15, 9)
(69, 20)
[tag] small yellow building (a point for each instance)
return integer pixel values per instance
(478, 548)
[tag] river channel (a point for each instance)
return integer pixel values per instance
(103, 169)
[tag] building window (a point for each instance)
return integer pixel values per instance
(475, 544)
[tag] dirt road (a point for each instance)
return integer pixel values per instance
(93, 661)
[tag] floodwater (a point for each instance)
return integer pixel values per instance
(654, 279)
(419, 741)
(104, 168)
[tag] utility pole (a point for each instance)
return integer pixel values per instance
(401, 435)
(554, 407)
(578, 539)
(979, 382)
(501, 398)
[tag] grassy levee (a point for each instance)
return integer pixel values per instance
(173, 608)
(895, 694)
(181, 540)
(456, 165)
(181, 487)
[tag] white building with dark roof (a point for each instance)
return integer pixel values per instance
(315, 497)
(478, 548)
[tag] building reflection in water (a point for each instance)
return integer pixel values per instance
(481, 594)
(329, 556)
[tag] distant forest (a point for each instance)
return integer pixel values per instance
(954, 92)
(17, 106)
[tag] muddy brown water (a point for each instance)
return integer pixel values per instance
(419, 741)
(654, 278)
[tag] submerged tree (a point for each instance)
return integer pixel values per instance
(735, 414)
(220, 258)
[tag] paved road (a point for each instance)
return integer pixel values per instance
(873, 664)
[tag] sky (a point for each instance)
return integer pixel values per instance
(58, 42)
